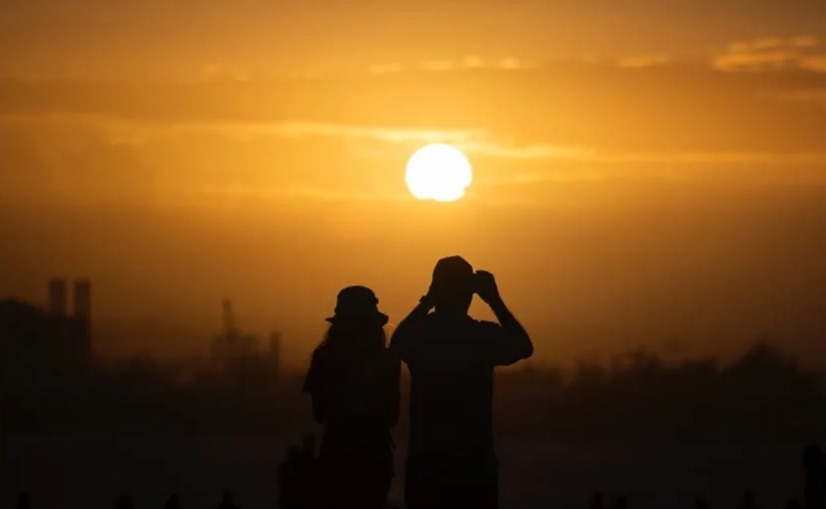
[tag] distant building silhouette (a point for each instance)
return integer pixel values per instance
(44, 348)
(274, 354)
(241, 357)
(58, 304)
(82, 300)
(232, 343)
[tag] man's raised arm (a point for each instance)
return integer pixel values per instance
(406, 330)
(517, 344)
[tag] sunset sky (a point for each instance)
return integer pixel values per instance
(645, 172)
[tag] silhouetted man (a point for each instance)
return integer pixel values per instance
(451, 460)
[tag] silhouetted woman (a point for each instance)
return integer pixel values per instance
(354, 383)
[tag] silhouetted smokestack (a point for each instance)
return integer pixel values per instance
(275, 353)
(57, 297)
(83, 299)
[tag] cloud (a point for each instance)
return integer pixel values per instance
(773, 53)
(526, 114)
(387, 68)
(472, 140)
(475, 141)
(815, 63)
(510, 63)
(468, 62)
(296, 129)
(473, 62)
(217, 72)
(813, 96)
(642, 61)
(438, 65)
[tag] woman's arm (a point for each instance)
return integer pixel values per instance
(313, 386)
(319, 404)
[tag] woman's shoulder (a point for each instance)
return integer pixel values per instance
(322, 356)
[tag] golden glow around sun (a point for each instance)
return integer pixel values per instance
(438, 172)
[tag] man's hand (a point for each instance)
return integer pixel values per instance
(518, 344)
(486, 287)
(427, 300)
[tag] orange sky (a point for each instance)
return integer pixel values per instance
(645, 172)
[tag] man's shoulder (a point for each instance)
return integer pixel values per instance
(468, 326)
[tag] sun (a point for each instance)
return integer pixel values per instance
(438, 172)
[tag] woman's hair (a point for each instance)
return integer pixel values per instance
(346, 349)
(351, 337)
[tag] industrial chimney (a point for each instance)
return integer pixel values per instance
(57, 297)
(275, 354)
(83, 299)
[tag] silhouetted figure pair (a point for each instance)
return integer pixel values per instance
(814, 462)
(354, 383)
(451, 357)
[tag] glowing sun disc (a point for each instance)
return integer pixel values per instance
(438, 172)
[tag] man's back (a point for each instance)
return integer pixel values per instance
(451, 365)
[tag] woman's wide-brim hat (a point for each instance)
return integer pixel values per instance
(357, 304)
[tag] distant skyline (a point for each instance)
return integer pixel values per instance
(643, 170)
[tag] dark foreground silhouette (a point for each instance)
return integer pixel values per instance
(353, 380)
(304, 481)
